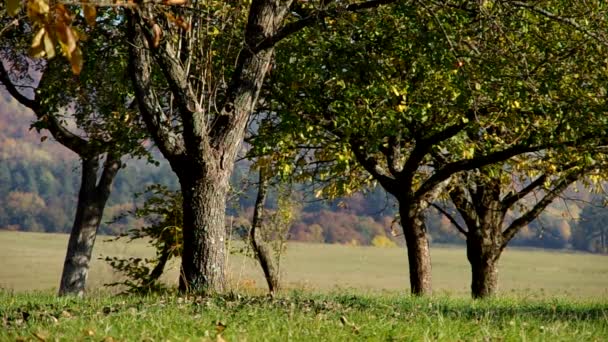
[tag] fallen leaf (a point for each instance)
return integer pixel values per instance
(220, 327)
(41, 335)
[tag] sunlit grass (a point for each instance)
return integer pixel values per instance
(298, 316)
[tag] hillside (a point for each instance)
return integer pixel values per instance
(39, 181)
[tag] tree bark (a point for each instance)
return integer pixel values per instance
(92, 199)
(418, 252)
(259, 246)
(204, 251)
(203, 153)
(484, 272)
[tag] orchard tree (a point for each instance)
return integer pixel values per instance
(213, 57)
(214, 71)
(375, 97)
(91, 114)
(495, 202)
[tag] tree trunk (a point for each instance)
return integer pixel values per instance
(260, 248)
(204, 231)
(92, 199)
(418, 252)
(483, 259)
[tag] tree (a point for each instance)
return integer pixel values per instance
(382, 93)
(106, 123)
(200, 125)
(591, 234)
(484, 197)
(268, 232)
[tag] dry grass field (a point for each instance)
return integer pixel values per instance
(32, 261)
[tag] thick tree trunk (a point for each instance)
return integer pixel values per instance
(418, 252)
(483, 259)
(203, 153)
(92, 199)
(484, 246)
(204, 252)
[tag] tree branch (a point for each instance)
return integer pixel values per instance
(510, 200)
(370, 164)
(422, 148)
(553, 16)
(171, 145)
(451, 218)
(68, 139)
(12, 90)
(314, 18)
(445, 171)
(533, 213)
(111, 166)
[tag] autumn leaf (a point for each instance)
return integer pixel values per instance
(37, 6)
(49, 45)
(37, 49)
(76, 61)
(67, 38)
(13, 7)
(90, 14)
(175, 2)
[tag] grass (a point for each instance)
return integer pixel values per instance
(297, 317)
(31, 261)
(335, 293)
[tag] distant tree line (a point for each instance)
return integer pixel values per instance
(35, 194)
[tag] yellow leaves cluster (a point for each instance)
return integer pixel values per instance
(53, 24)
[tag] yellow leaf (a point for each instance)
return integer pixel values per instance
(38, 6)
(37, 51)
(319, 193)
(37, 43)
(395, 91)
(13, 7)
(67, 39)
(76, 61)
(90, 14)
(49, 46)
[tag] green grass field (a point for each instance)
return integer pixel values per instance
(333, 293)
(31, 261)
(297, 317)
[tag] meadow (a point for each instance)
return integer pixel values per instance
(331, 293)
(33, 261)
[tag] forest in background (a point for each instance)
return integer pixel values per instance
(39, 183)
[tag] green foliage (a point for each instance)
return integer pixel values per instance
(299, 316)
(162, 217)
